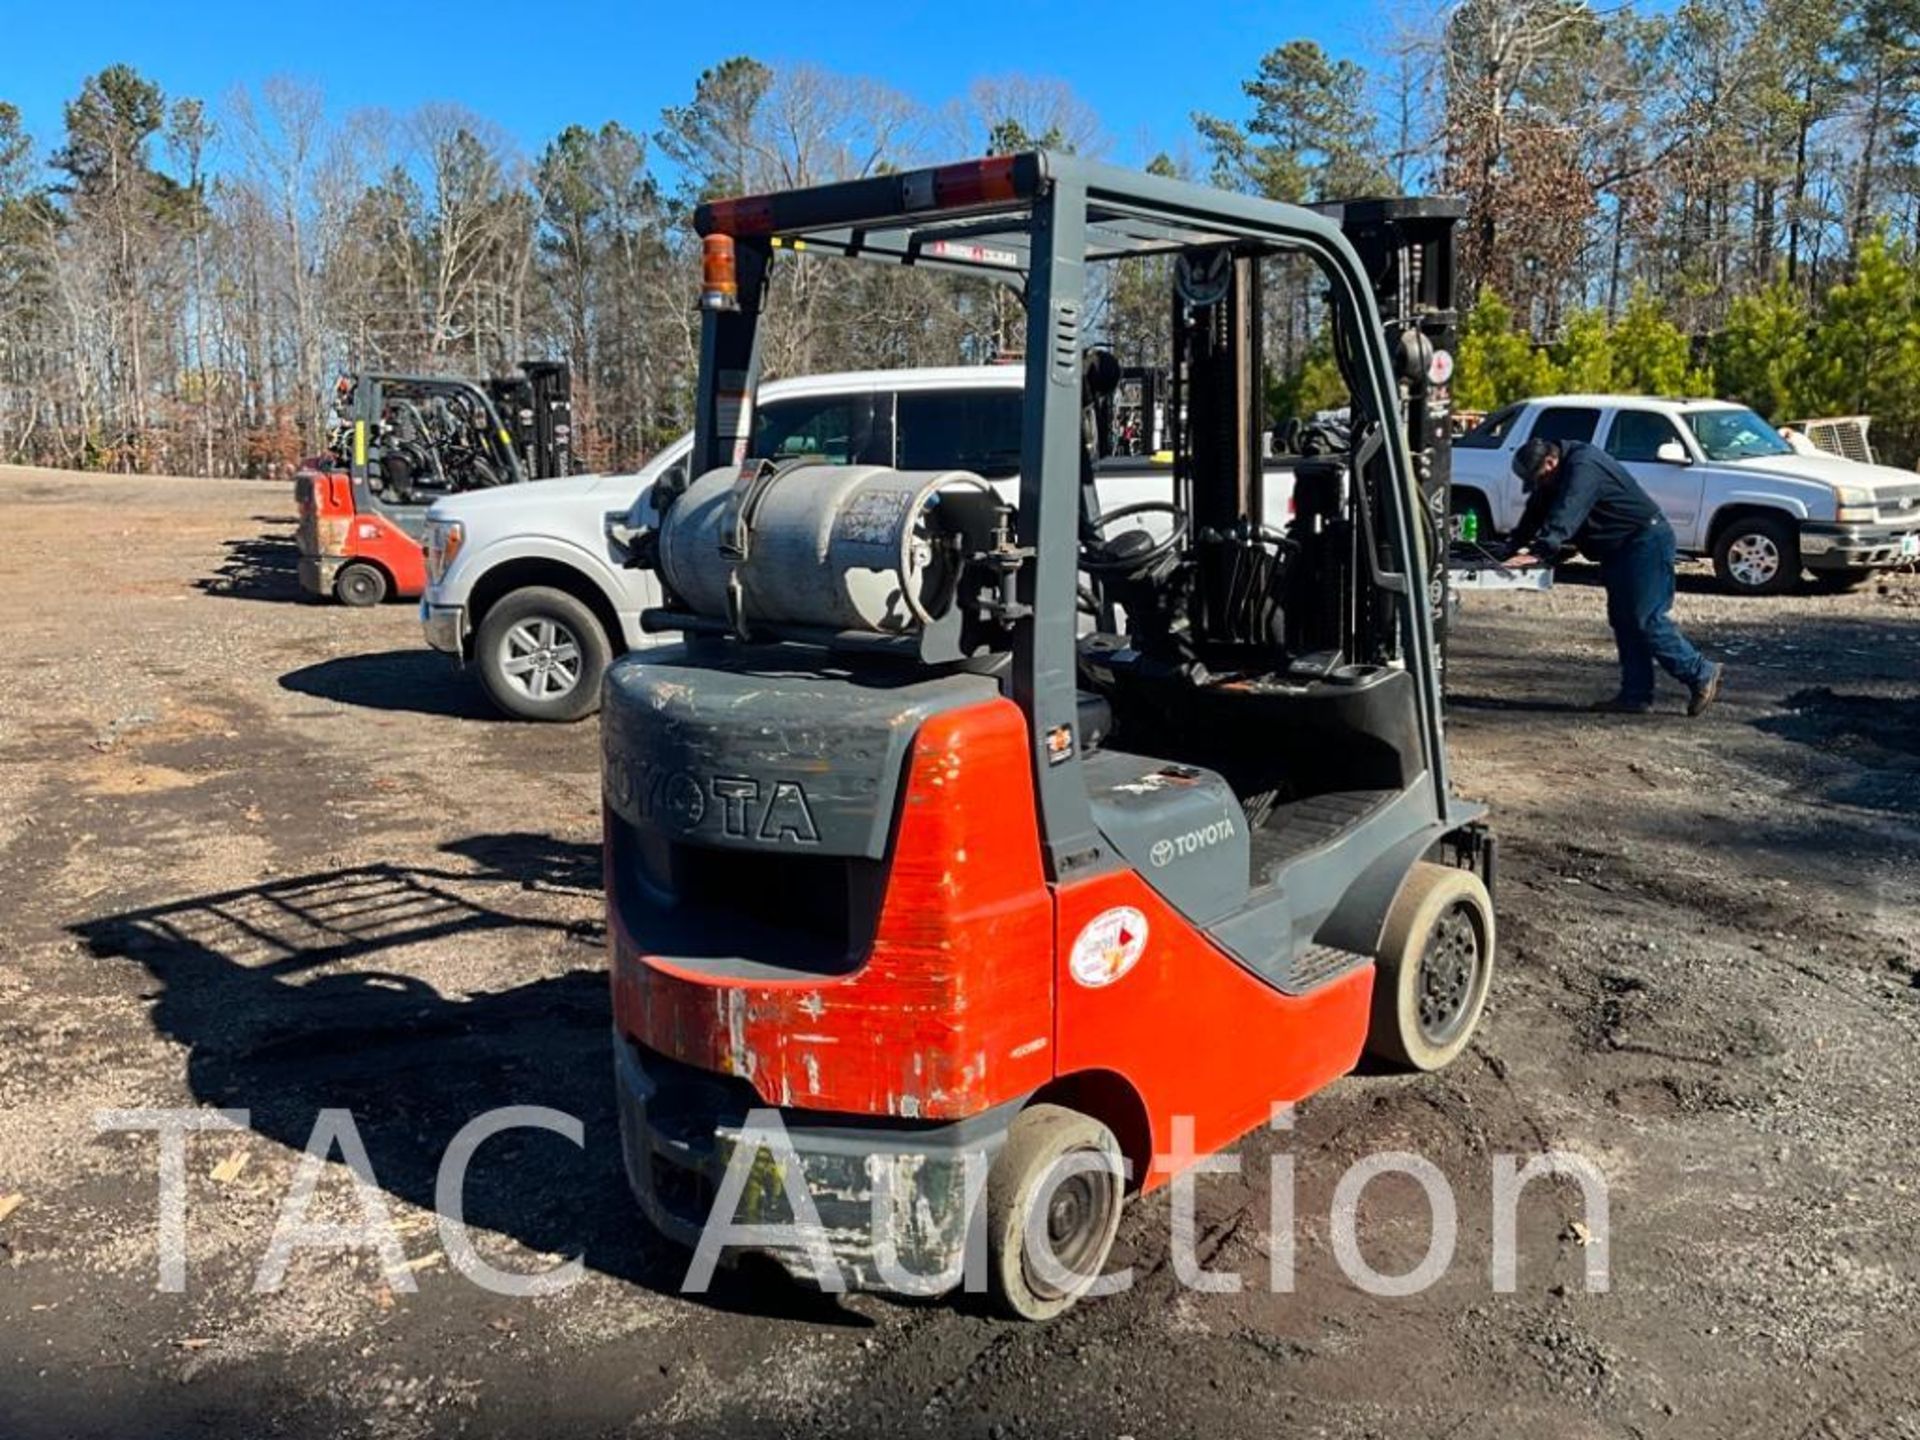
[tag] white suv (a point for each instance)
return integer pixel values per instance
(1730, 486)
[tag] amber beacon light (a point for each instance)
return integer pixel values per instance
(719, 275)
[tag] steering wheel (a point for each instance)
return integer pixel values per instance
(1098, 559)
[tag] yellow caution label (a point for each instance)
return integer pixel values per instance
(359, 444)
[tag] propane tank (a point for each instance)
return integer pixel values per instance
(836, 547)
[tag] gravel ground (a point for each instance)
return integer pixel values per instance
(276, 857)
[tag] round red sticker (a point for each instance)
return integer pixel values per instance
(1108, 946)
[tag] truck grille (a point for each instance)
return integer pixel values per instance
(1899, 504)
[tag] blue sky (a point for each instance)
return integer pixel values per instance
(534, 67)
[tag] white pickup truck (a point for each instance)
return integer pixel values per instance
(1731, 487)
(526, 583)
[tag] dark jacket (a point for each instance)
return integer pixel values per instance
(1592, 503)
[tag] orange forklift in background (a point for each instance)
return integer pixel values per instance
(400, 442)
(973, 865)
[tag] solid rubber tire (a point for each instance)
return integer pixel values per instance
(1427, 894)
(1039, 1136)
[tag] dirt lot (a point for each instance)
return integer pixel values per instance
(270, 856)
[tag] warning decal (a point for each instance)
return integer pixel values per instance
(1108, 946)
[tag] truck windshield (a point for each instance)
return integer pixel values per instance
(1734, 433)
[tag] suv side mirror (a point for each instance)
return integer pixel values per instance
(1672, 452)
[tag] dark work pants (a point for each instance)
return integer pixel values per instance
(1639, 581)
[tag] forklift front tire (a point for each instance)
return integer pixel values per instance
(360, 585)
(1433, 969)
(1054, 1195)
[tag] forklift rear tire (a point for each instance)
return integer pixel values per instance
(541, 655)
(360, 585)
(1048, 1238)
(1434, 968)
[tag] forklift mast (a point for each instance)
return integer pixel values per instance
(1407, 249)
(536, 404)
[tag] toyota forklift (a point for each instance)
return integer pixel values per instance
(997, 859)
(400, 442)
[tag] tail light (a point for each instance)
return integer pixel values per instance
(961, 186)
(973, 182)
(747, 215)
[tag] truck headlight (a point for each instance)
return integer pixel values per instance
(444, 539)
(1855, 505)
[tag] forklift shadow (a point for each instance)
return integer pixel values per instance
(301, 994)
(533, 861)
(259, 567)
(419, 681)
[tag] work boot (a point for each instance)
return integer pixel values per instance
(1620, 705)
(1706, 691)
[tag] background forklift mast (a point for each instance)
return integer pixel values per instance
(400, 442)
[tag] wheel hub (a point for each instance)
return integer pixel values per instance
(541, 658)
(1753, 559)
(1449, 972)
(1077, 1214)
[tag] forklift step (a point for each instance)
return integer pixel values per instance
(1302, 825)
(1318, 964)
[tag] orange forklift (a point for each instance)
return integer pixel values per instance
(963, 851)
(400, 442)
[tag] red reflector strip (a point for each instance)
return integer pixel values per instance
(749, 215)
(973, 182)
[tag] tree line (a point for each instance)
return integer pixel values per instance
(1718, 198)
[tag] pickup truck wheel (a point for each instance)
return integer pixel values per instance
(1433, 969)
(541, 655)
(360, 585)
(1757, 555)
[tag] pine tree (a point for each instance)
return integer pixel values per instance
(1651, 355)
(1585, 354)
(1867, 346)
(1496, 363)
(1761, 356)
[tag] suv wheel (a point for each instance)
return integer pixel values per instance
(1757, 555)
(541, 655)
